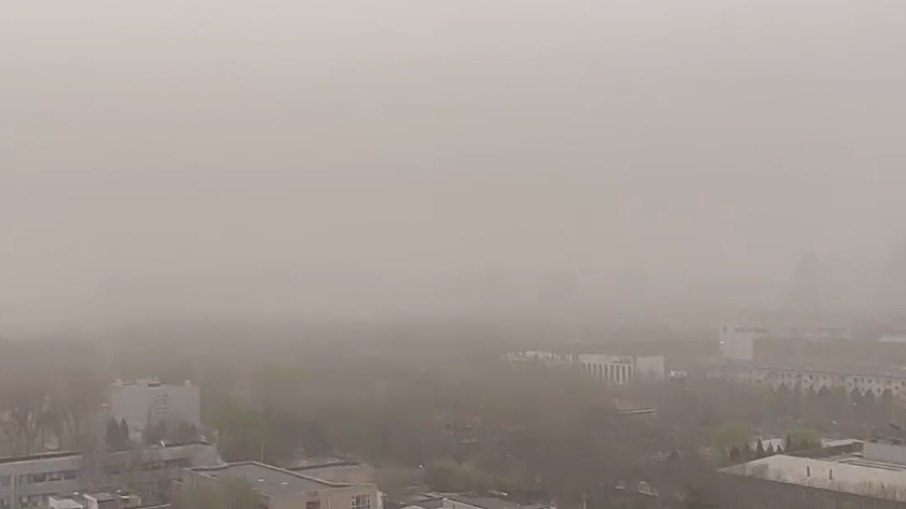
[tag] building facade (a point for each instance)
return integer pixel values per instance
(623, 369)
(28, 482)
(814, 380)
(146, 403)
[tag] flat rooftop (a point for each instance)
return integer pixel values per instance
(844, 474)
(267, 480)
(493, 503)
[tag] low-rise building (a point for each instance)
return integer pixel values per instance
(874, 477)
(30, 481)
(279, 488)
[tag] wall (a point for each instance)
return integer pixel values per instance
(739, 492)
(332, 498)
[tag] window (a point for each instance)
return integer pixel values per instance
(55, 476)
(361, 502)
(70, 474)
(4, 503)
(36, 478)
(315, 504)
(4, 480)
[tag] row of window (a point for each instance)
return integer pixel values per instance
(60, 475)
(26, 501)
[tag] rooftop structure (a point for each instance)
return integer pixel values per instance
(265, 479)
(281, 488)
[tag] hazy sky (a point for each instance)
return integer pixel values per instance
(147, 144)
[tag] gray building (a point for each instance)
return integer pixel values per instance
(29, 481)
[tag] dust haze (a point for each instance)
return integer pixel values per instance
(418, 159)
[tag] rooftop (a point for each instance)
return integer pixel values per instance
(845, 474)
(493, 503)
(265, 479)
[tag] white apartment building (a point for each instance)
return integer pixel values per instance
(623, 369)
(27, 482)
(815, 379)
(145, 403)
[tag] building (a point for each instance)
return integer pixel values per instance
(30, 481)
(614, 369)
(623, 369)
(864, 379)
(147, 403)
(283, 489)
(467, 502)
(550, 358)
(874, 478)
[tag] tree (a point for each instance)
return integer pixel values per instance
(735, 455)
(117, 435)
(695, 499)
(759, 450)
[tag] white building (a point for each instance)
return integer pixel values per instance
(623, 369)
(147, 402)
(806, 379)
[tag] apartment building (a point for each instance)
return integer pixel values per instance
(30, 481)
(279, 488)
(866, 380)
(147, 402)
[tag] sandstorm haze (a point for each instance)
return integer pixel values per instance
(423, 157)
